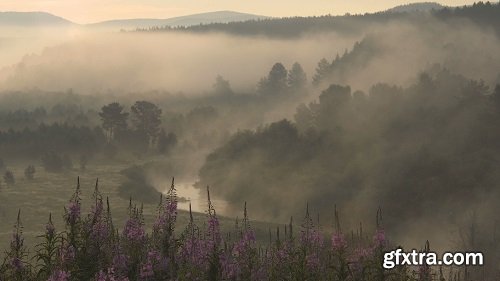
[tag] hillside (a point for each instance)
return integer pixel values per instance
(416, 7)
(189, 20)
(487, 15)
(31, 19)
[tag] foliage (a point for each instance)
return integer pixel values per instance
(137, 185)
(29, 172)
(8, 177)
(34, 143)
(55, 163)
(297, 78)
(276, 81)
(424, 149)
(146, 118)
(485, 13)
(113, 119)
(92, 248)
(222, 87)
(166, 142)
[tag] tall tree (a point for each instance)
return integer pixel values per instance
(222, 87)
(9, 178)
(113, 119)
(276, 81)
(166, 142)
(297, 78)
(322, 71)
(146, 119)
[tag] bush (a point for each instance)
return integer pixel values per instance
(9, 178)
(202, 252)
(166, 142)
(136, 186)
(29, 172)
(55, 163)
(52, 162)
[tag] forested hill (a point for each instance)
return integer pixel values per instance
(415, 7)
(486, 14)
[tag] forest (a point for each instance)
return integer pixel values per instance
(484, 13)
(298, 148)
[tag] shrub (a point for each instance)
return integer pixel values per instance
(52, 162)
(55, 163)
(29, 172)
(91, 248)
(8, 177)
(137, 186)
(166, 142)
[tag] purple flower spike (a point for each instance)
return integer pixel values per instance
(379, 238)
(59, 275)
(338, 242)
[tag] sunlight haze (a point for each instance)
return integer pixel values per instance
(90, 11)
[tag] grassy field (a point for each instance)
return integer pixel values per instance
(50, 192)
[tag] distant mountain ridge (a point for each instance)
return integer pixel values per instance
(31, 19)
(189, 20)
(28, 19)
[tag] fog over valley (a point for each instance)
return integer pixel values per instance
(211, 146)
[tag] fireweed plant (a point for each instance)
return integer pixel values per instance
(91, 248)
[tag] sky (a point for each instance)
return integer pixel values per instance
(89, 11)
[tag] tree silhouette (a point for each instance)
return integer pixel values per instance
(113, 119)
(166, 141)
(276, 81)
(335, 95)
(146, 119)
(322, 71)
(9, 178)
(222, 87)
(52, 162)
(29, 172)
(297, 78)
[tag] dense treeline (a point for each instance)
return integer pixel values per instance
(486, 13)
(480, 12)
(77, 129)
(61, 137)
(347, 64)
(62, 113)
(289, 27)
(67, 137)
(419, 152)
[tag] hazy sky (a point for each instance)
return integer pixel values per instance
(86, 11)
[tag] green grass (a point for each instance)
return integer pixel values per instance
(50, 192)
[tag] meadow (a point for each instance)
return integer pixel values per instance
(180, 246)
(48, 193)
(304, 129)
